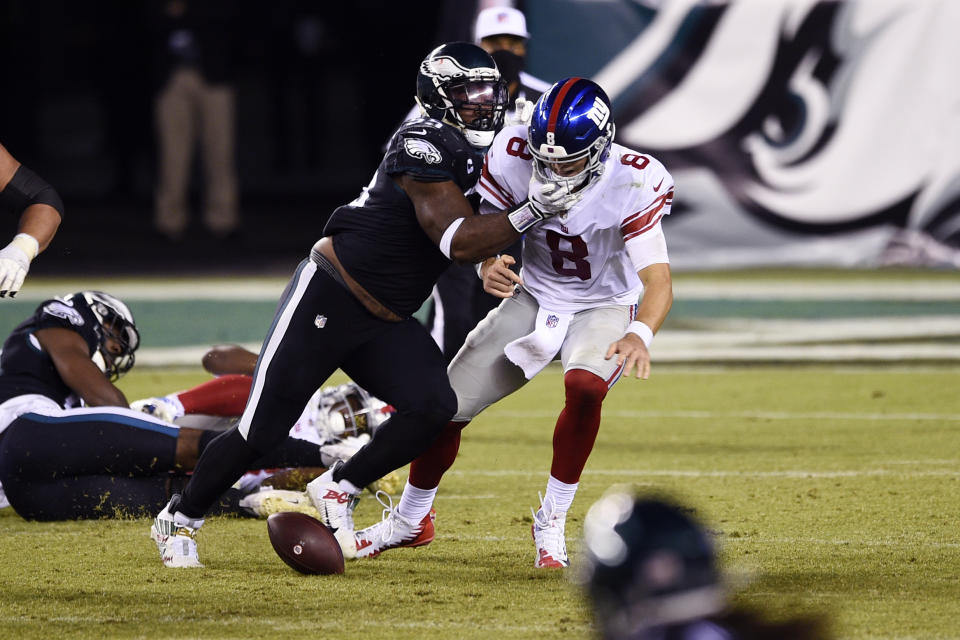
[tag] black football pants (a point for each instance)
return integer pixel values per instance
(320, 327)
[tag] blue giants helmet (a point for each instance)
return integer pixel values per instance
(459, 83)
(572, 120)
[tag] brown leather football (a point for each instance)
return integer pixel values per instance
(305, 543)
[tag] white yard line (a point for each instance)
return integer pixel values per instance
(745, 415)
(878, 288)
(693, 473)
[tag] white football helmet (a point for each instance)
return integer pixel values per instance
(348, 410)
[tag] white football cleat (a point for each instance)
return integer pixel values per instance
(335, 508)
(393, 531)
(547, 530)
(268, 501)
(176, 537)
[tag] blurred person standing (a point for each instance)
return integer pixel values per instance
(41, 211)
(195, 102)
(459, 301)
(502, 32)
(650, 572)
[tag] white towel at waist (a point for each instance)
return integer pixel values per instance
(536, 350)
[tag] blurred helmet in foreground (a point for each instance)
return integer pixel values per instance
(647, 564)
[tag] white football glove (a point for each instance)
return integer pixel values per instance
(163, 408)
(552, 198)
(15, 263)
(521, 113)
(342, 449)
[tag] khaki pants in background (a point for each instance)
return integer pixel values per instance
(188, 108)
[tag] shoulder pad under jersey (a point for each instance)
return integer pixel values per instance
(428, 149)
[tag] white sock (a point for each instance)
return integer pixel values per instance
(415, 503)
(174, 400)
(348, 486)
(561, 494)
(183, 521)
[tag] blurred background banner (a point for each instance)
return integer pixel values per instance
(799, 132)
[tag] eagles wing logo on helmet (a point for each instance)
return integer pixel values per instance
(65, 310)
(444, 67)
(419, 148)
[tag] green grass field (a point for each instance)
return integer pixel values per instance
(831, 490)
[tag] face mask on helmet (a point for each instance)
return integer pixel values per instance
(459, 83)
(570, 133)
(119, 338)
(348, 410)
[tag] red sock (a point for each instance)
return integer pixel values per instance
(429, 467)
(578, 424)
(223, 396)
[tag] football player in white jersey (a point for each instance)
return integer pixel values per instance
(576, 298)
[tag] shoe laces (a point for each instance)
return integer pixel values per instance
(389, 518)
(549, 526)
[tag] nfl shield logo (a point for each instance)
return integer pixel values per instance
(320, 322)
(552, 321)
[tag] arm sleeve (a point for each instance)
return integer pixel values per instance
(27, 188)
(649, 201)
(648, 248)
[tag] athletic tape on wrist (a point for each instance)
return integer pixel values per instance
(26, 243)
(640, 329)
(524, 217)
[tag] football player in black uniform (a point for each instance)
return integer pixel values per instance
(60, 460)
(349, 304)
(26, 194)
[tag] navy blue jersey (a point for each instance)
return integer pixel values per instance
(377, 236)
(26, 368)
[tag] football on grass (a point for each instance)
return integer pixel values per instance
(305, 543)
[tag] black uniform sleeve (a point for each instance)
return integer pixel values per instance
(421, 148)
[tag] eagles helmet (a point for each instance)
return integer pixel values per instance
(647, 563)
(116, 322)
(348, 410)
(571, 121)
(459, 83)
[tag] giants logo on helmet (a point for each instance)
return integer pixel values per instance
(599, 112)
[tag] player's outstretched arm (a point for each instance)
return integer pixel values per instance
(631, 349)
(71, 357)
(448, 219)
(224, 359)
(41, 211)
